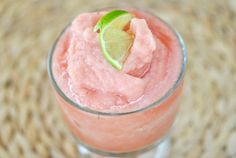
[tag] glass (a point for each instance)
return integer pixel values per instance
(139, 133)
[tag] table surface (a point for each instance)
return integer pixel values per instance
(31, 123)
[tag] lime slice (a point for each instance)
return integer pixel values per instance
(114, 41)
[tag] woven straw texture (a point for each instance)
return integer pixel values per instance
(31, 125)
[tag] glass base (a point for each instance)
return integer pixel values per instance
(160, 150)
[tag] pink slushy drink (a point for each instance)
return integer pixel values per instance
(111, 110)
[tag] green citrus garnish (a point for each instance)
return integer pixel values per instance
(114, 41)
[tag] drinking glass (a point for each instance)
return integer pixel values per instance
(141, 133)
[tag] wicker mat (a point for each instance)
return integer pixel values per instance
(30, 121)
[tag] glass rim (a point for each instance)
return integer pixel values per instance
(154, 104)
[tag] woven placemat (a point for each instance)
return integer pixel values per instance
(30, 121)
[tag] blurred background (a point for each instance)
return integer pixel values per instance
(30, 122)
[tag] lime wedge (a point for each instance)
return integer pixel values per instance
(114, 41)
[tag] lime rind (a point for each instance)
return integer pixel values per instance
(106, 19)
